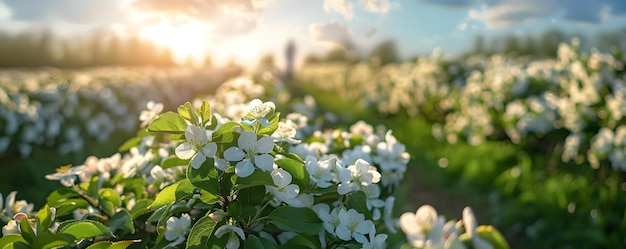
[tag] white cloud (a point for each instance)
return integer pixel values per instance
(462, 26)
(376, 6)
(512, 12)
(501, 13)
(234, 25)
(451, 3)
(73, 11)
(330, 32)
(343, 7)
(5, 12)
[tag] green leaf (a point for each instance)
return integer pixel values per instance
(294, 156)
(168, 122)
(213, 123)
(92, 187)
(205, 177)
(70, 205)
(258, 178)
(493, 236)
(295, 219)
(50, 240)
(208, 198)
(121, 220)
(297, 170)
(226, 133)
(251, 196)
(357, 201)
(202, 235)
(205, 113)
(140, 208)
(10, 239)
(112, 245)
(253, 242)
(301, 241)
(173, 161)
(27, 231)
(186, 111)
(234, 209)
(269, 130)
(43, 220)
(84, 229)
(130, 143)
(173, 193)
(110, 195)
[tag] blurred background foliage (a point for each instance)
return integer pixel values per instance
(520, 188)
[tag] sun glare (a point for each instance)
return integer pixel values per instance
(188, 42)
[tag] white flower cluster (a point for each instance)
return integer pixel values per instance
(426, 229)
(482, 98)
(65, 109)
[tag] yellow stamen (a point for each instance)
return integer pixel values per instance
(64, 168)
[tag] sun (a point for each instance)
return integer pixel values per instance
(188, 41)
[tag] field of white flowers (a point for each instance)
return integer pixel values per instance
(251, 164)
(543, 137)
(228, 171)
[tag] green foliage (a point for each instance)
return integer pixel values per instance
(168, 122)
(298, 220)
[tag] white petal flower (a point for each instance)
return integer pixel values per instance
(258, 111)
(234, 234)
(251, 152)
(283, 189)
(423, 228)
(153, 110)
(469, 220)
(353, 225)
(286, 132)
(10, 228)
(330, 218)
(197, 147)
(66, 174)
(375, 241)
(176, 228)
(320, 172)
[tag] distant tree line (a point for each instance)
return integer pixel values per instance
(544, 45)
(43, 48)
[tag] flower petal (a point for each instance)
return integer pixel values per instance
(233, 154)
(264, 122)
(221, 164)
(184, 151)
(196, 133)
(247, 141)
(343, 232)
(209, 149)
(196, 162)
(291, 191)
(265, 145)
(244, 168)
(264, 162)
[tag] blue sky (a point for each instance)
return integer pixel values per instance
(245, 29)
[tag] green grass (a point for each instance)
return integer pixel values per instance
(27, 175)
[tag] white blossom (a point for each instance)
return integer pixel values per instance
(250, 153)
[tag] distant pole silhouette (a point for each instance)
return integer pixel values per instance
(290, 53)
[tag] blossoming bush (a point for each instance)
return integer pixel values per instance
(200, 179)
(543, 136)
(63, 109)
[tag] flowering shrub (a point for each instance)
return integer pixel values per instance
(577, 94)
(544, 137)
(197, 179)
(64, 109)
